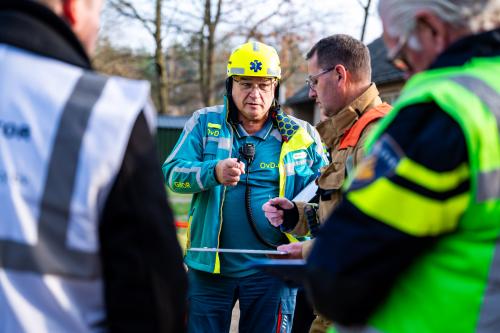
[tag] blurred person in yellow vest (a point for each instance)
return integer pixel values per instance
(414, 245)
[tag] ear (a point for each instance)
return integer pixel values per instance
(341, 74)
(434, 28)
(69, 11)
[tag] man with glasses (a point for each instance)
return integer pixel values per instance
(414, 245)
(232, 158)
(340, 83)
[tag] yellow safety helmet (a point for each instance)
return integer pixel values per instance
(254, 59)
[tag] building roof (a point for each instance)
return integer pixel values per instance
(382, 72)
(176, 122)
(301, 96)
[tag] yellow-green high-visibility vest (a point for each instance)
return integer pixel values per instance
(455, 287)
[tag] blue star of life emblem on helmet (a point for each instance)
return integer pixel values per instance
(255, 66)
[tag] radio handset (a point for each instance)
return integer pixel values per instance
(247, 152)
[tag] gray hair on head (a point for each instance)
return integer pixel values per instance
(472, 15)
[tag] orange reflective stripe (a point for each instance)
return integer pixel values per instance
(352, 135)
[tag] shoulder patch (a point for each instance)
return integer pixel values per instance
(381, 162)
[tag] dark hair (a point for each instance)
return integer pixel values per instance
(344, 50)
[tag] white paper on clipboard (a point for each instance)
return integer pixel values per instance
(307, 192)
(248, 251)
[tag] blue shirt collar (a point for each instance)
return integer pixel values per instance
(261, 134)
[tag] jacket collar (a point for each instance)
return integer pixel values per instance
(286, 125)
(485, 44)
(333, 128)
(33, 27)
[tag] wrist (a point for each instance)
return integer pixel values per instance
(290, 218)
(214, 170)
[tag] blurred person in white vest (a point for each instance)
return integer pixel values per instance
(87, 241)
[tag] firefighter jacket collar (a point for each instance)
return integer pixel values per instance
(333, 128)
(35, 28)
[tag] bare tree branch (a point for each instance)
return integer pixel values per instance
(365, 19)
(126, 9)
(252, 31)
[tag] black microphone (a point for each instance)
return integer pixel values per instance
(248, 152)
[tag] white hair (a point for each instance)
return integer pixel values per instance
(472, 15)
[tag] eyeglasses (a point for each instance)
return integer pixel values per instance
(312, 80)
(248, 86)
(397, 56)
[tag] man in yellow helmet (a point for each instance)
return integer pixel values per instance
(233, 158)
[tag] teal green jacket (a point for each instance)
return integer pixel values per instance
(206, 139)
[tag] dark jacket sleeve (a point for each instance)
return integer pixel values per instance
(357, 257)
(144, 279)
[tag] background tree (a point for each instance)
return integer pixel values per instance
(153, 23)
(193, 39)
(366, 9)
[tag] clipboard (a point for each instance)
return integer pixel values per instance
(245, 251)
(292, 271)
(307, 193)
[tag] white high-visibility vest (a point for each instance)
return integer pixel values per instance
(63, 136)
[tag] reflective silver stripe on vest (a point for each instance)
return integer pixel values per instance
(489, 316)
(51, 255)
(488, 182)
(484, 91)
(488, 186)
